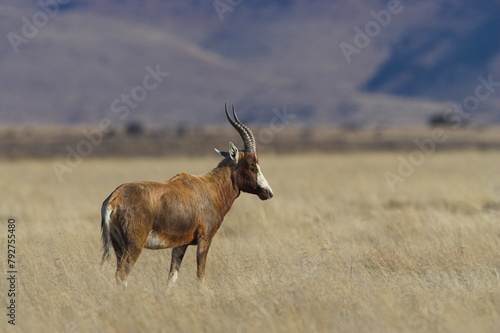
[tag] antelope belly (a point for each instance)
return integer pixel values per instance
(154, 241)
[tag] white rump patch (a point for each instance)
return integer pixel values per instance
(107, 216)
(154, 242)
(261, 180)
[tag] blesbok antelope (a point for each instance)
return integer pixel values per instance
(185, 210)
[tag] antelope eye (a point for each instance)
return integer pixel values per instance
(253, 168)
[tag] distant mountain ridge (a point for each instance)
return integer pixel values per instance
(258, 56)
(441, 57)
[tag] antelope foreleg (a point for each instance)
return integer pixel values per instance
(201, 257)
(175, 264)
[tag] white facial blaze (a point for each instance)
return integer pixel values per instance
(261, 180)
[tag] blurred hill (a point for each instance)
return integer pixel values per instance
(75, 143)
(78, 62)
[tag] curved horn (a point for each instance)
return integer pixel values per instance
(249, 132)
(244, 131)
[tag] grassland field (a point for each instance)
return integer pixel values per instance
(336, 250)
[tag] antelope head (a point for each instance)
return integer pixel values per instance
(247, 175)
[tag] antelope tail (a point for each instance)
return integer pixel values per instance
(105, 230)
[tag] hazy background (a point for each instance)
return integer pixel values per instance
(258, 55)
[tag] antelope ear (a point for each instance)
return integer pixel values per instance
(233, 152)
(222, 153)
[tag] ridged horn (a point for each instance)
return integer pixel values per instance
(245, 132)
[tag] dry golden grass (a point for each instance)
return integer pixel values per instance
(334, 251)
